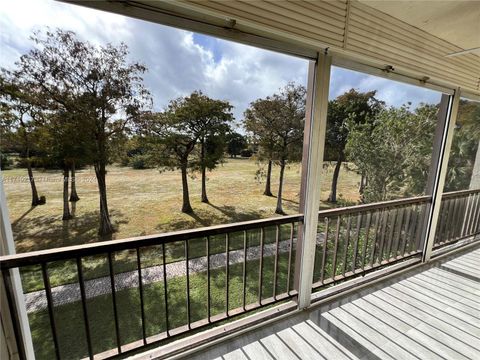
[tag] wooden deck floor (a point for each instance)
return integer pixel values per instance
(433, 313)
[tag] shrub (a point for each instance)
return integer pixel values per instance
(246, 153)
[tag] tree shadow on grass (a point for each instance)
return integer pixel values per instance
(232, 213)
(48, 231)
(205, 217)
(23, 216)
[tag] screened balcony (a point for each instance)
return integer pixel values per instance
(386, 279)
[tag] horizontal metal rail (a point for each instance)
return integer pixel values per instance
(454, 194)
(103, 247)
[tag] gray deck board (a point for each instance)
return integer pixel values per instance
(432, 313)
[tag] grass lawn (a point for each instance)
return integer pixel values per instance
(69, 317)
(144, 202)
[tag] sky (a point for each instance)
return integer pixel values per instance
(180, 62)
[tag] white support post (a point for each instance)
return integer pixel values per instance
(312, 163)
(475, 180)
(447, 117)
(7, 247)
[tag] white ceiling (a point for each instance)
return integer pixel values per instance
(457, 22)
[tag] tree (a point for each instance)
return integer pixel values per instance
(212, 118)
(170, 142)
(278, 123)
(235, 144)
(351, 107)
(172, 137)
(260, 119)
(59, 128)
(97, 84)
(464, 147)
(394, 151)
(17, 113)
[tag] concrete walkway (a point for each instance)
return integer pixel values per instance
(69, 293)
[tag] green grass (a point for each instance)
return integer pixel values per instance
(144, 202)
(69, 317)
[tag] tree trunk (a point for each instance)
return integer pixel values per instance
(279, 209)
(106, 227)
(35, 199)
(66, 205)
(361, 189)
(204, 175)
(268, 191)
(333, 193)
(73, 192)
(186, 207)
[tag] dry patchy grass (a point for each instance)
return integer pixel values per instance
(147, 202)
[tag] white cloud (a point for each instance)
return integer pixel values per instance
(177, 64)
(180, 62)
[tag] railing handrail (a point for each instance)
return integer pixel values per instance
(375, 206)
(453, 194)
(104, 247)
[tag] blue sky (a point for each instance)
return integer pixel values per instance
(180, 62)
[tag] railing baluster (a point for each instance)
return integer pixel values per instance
(460, 216)
(391, 234)
(378, 221)
(48, 292)
(419, 230)
(355, 247)
(406, 232)
(140, 289)
(365, 243)
(441, 222)
(324, 254)
(114, 301)
(451, 220)
(209, 315)
(290, 250)
(447, 213)
(398, 233)
(12, 308)
(244, 269)
(476, 223)
(471, 225)
(468, 211)
(165, 290)
(187, 270)
(386, 215)
(84, 306)
(227, 266)
(476, 209)
(415, 226)
(347, 243)
(260, 271)
(337, 234)
(275, 265)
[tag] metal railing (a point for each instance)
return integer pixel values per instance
(358, 239)
(459, 217)
(195, 278)
(256, 250)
